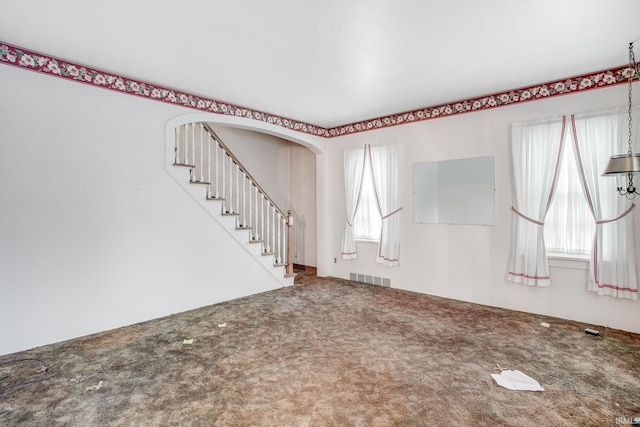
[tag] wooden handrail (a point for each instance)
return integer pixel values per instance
(287, 217)
(244, 170)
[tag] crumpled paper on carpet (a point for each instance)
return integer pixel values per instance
(516, 380)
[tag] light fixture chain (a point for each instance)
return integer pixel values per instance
(632, 72)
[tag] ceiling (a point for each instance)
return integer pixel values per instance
(331, 62)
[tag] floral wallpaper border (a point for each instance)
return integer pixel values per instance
(566, 86)
(33, 61)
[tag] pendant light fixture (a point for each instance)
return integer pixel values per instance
(627, 164)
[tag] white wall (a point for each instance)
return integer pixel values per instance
(94, 234)
(302, 190)
(469, 262)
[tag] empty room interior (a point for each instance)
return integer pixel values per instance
(320, 213)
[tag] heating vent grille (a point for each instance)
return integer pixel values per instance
(371, 280)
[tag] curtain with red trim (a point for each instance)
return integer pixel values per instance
(384, 169)
(536, 153)
(612, 270)
(354, 160)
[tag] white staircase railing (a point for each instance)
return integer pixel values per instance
(211, 163)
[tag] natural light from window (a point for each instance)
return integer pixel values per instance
(569, 226)
(367, 223)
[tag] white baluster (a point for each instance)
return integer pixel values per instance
(262, 220)
(266, 227)
(223, 180)
(283, 225)
(249, 211)
(245, 181)
(277, 219)
(189, 150)
(201, 151)
(175, 148)
(183, 144)
(231, 185)
(217, 173)
(257, 231)
(193, 143)
(274, 236)
(196, 152)
(270, 226)
(237, 189)
(281, 237)
(209, 171)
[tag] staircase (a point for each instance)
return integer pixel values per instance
(222, 185)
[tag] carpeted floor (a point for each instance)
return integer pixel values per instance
(328, 352)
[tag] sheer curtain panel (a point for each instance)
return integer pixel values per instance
(353, 172)
(384, 168)
(569, 225)
(536, 152)
(612, 270)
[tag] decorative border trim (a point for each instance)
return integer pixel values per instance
(40, 63)
(597, 80)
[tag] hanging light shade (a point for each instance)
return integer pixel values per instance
(627, 164)
(623, 164)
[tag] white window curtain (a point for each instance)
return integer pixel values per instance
(536, 152)
(612, 270)
(353, 172)
(384, 168)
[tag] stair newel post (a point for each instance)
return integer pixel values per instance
(289, 267)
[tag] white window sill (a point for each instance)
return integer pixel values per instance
(367, 243)
(573, 261)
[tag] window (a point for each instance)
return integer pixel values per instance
(569, 225)
(367, 222)
(372, 204)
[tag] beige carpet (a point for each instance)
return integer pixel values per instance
(328, 352)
